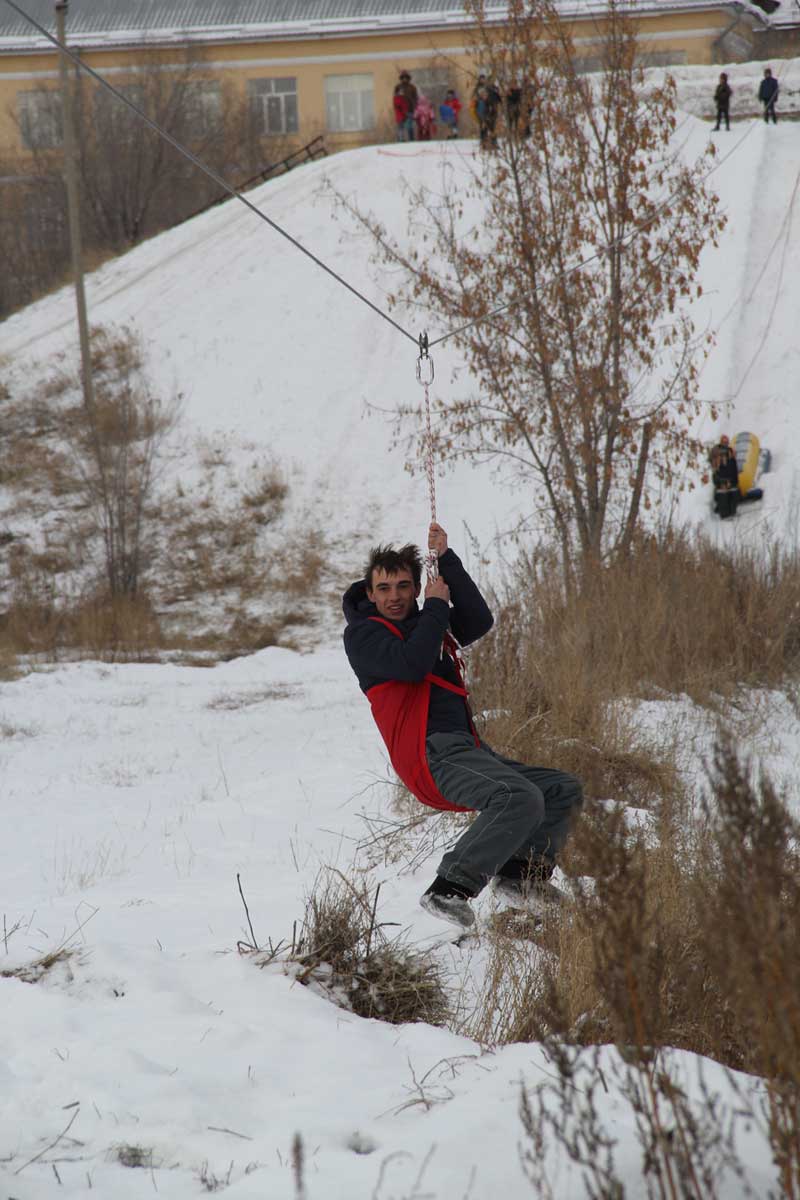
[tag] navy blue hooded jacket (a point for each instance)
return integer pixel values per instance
(377, 655)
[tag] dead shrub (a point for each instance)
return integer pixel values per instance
(119, 626)
(747, 888)
(411, 833)
(267, 494)
(88, 474)
(9, 668)
(684, 933)
(344, 953)
(565, 652)
(41, 619)
(35, 971)
(303, 563)
(130, 1155)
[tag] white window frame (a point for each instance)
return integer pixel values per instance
(273, 101)
(41, 124)
(349, 103)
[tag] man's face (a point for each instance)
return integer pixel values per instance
(394, 594)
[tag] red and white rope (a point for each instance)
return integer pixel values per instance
(425, 362)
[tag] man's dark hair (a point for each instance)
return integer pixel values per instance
(386, 558)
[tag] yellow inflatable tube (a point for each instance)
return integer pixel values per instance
(747, 449)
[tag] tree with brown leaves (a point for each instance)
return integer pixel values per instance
(575, 286)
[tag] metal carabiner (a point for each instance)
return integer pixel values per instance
(424, 357)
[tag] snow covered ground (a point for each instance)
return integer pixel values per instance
(134, 794)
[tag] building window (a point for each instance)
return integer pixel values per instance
(110, 114)
(40, 120)
(203, 107)
(273, 103)
(349, 103)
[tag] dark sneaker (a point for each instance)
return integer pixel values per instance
(451, 906)
(536, 894)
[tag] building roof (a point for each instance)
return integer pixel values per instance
(112, 22)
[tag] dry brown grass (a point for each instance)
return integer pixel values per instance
(345, 954)
(678, 616)
(207, 574)
(39, 622)
(36, 970)
(687, 936)
(682, 933)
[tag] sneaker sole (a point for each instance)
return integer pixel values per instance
(427, 903)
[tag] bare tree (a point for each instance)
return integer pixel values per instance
(133, 182)
(117, 444)
(588, 242)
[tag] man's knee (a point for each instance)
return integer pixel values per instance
(567, 794)
(523, 801)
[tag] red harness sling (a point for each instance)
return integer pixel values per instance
(400, 711)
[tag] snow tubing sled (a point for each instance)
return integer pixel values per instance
(751, 461)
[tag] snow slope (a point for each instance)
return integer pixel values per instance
(134, 794)
(270, 351)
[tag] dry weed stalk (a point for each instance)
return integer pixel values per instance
(344, 951)
(748, 888)
(552, 676)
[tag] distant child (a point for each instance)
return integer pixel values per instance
(448, 113)
(403, 121)
(768, 95)
(722, 99)
(425, 118)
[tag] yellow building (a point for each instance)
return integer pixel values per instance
(307, 66)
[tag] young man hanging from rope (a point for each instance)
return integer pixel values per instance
(406, 660)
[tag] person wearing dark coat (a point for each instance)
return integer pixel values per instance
(405, 90)
(722, 99)
(407, 662)
(768, 95)
(726, 481)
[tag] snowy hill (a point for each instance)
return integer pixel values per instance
(134, 794)
(270, 351)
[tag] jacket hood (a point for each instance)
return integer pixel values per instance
(357, 606)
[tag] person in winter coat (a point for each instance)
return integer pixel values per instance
(484, 106)
(407, 663)
(425, 118)
(722, 99)
(768, 95)
(404, 124)
(726, 479)
(408, 91)
(448, 113)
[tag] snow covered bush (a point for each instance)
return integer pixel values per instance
(345, 955)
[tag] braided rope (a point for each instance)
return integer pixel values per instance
(425, 378)
(431, 561)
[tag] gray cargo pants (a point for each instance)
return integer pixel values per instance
(523, 811)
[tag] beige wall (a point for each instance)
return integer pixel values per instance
(688, 37)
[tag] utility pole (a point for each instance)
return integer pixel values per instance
(73, 206)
